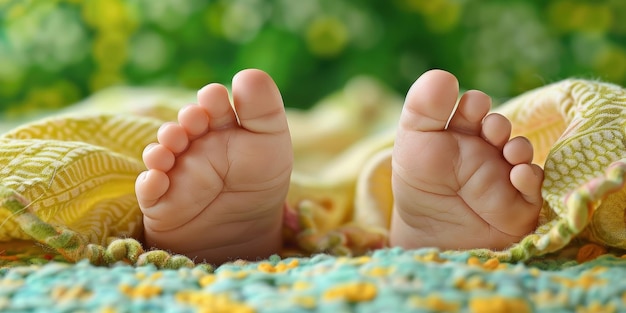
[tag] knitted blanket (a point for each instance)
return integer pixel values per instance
(67, 197)
(385, 281)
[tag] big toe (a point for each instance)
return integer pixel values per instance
(430, 101)
(258, 103)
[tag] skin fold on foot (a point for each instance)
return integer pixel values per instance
(216, 181)
(460, 182)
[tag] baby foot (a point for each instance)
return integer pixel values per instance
(217, 180)
(462, 184)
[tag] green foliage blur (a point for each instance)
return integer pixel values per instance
(56, 52)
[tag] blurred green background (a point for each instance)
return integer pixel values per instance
(53, 53)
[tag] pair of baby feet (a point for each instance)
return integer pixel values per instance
(216, 181)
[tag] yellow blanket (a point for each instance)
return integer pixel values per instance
(67, 181)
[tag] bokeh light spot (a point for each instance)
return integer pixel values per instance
(242, 21)
(149, 51)
(327, 36)
(611, 63)
(110, 50)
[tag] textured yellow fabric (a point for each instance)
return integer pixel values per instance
(68, 181)
(77, 171)
(578, 127)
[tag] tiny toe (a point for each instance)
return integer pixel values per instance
(430, 102)
(496, 130)
(518, 150)
(472, 109)
(194, 120)
(173, 136)
(258, 103)
(215, 100)
(150, 186)
(527, 179)
(158, 157)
